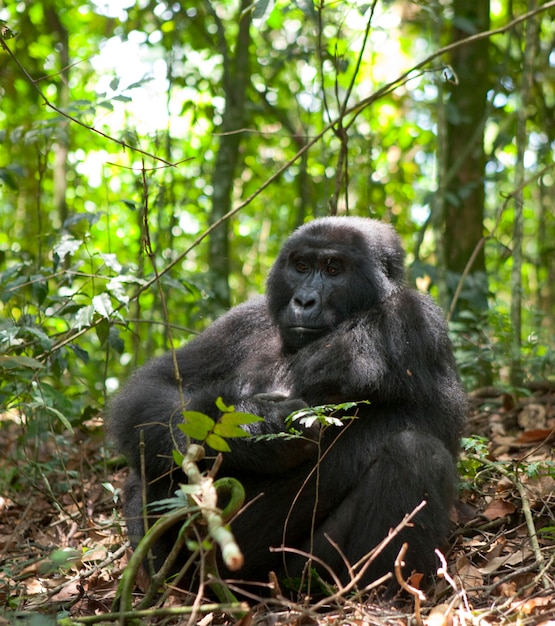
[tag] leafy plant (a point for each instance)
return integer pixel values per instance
(214, 433)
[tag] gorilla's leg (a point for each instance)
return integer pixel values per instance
(408, 468)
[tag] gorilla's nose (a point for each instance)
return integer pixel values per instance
(306, 300)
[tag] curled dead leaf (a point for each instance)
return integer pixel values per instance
(469, 574)
(498, 508)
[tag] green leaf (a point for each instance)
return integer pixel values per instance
(197, 425)
(178, 457)
(238, 418)
(115, 341)
(81, 354)
(39, 287)
(61, 417)
(102, 331)
(217, 443)
(223, 407)
(262, 8)
(15, 362)
(229, 431)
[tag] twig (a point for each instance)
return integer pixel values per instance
(416, 593)
(175, 611)
(369, 558)
(527, 512)
(443, 572)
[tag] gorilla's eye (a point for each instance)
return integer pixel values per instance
(301, 266)
(332, 269)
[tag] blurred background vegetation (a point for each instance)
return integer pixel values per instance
(129, 130)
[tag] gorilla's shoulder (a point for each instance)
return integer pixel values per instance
(246, 318)
(236, 333)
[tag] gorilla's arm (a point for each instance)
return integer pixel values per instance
(228, 360)
(396, 355)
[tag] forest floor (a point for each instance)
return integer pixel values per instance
(63, 549)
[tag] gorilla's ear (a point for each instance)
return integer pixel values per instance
(389, 257)
(393, 263)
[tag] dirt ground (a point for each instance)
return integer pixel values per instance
(63, 548)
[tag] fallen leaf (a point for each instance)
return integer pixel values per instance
(469, 574)
(532, 416)
(516, 558)
(499, 508)
(529, 606)
(535, 435)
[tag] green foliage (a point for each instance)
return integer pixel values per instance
(478, 468)
(325, 415)
(214, 433)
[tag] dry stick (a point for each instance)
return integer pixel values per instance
(509, 602)
(531, 528)
(443, 572)
(513, 477)
(365, 562)
(314, 470)
(341, 131)
(418, 595)
(174, 611)
(83, 575)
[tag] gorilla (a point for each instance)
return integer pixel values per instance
(338, 324)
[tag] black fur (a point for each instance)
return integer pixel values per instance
(338, 324)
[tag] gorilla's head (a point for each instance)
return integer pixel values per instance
(329, 270)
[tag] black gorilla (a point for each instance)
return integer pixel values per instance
(338, 324)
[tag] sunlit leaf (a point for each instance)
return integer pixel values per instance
(217, 443)
(229, 431)
(236, 419)
(103, 305)
(66, 246)
(197, 425)
(223, 407)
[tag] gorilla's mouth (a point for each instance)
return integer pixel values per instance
(308, 330)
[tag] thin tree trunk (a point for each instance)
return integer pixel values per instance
(235, 81)
(61, 146)
(466, 113)
(530, 42)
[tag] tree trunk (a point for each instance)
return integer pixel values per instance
(465, 158)
(235, 81)
(530, 48)
(61, 147)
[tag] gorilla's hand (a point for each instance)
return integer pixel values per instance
(277, 405)
(279, 453)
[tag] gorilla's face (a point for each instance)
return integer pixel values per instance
(315, 281)
(327, 272)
